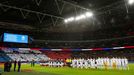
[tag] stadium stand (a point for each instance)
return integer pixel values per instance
(4, 57)
(58, 55)
(29, 55)
(129, 54)
(23, 55)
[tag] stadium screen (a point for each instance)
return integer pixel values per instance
(15, 38)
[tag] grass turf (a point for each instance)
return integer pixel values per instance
(40, 70)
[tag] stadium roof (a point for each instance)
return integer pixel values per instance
(49, 15)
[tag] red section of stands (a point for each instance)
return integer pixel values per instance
(57, 55)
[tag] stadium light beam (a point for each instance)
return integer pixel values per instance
(69, 20)
(77, 18)
(89, 14)
(130, 2)
(65, 21)
(80, 17)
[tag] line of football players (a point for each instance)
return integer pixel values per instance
(101, 63)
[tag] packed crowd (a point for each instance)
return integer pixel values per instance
(28, 57)
(113, 59)
(24, 55)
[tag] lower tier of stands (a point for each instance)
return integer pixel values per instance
(58, 55)
(28, 57)
(47, 55)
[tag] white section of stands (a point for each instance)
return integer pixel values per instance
(28, 57)
(25, 55)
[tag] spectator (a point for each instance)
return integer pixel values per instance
(32, 63)
(19, 66)
(15, 62)
(10, 66)
(5, 66)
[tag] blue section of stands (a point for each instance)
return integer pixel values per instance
(4, 58)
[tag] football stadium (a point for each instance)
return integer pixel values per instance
(66, 37)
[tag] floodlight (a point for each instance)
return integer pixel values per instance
(82, 16)
(130, 2)
(89, 14)
(77, 18)
(71, 19)
(65, 20)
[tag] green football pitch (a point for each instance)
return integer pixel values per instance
(40, 70)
